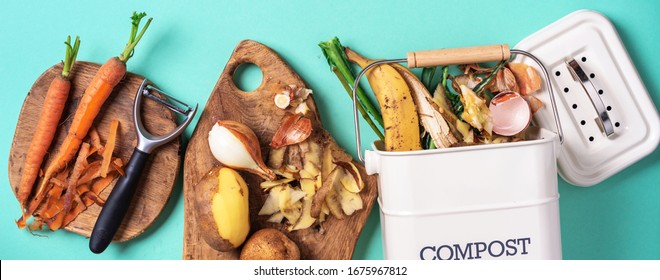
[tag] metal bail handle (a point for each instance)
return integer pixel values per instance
(548, 84)
(453, 56)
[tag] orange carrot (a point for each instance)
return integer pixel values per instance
(51, 112)
(99, 89)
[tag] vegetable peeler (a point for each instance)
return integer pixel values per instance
(116, 205)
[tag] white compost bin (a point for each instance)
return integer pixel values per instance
(478, 202)
(500, 201)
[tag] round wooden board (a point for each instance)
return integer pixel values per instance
(160, 173)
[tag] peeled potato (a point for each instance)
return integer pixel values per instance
(269, 244)
(221, 209)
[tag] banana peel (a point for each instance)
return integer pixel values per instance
(441, 131)
(394, 96)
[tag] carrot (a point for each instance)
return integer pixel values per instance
(99, 89)
(51, 112)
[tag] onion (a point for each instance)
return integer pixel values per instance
(236, 146)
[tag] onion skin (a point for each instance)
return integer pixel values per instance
(295, 129)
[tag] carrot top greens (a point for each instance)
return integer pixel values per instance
(135, 37)
(70, 56)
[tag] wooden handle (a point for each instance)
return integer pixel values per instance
(458, 56)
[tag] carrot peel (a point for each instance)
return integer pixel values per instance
(109, 147)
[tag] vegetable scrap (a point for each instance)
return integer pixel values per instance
(452, 108)
(74, 189)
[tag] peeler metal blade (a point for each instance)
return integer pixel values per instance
(146, 141)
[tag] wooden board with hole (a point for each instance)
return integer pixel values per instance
(160, 173)
(256, 109)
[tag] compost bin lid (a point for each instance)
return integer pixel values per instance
(605, 79)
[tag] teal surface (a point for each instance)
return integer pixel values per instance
(189, 42)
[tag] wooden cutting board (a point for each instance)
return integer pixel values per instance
(161, 170)
(257, 110)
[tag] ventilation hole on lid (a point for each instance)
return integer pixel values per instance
(574, 106)
(584, 59)
(592, 75)
(609, 108)
(617, 124)
(591, 138)
(565, 89)
(582, 122)
(600, 91)
(557, 73)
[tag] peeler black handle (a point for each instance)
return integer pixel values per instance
(116, 205)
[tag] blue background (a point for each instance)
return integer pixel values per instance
(185, 50)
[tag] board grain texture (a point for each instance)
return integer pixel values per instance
(257, 110)
(160, 173)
